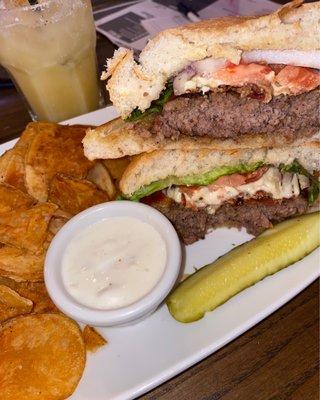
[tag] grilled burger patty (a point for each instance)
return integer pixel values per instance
(228, 115)
(255, 215)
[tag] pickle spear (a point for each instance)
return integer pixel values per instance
(243, 266)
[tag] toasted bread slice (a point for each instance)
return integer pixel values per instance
(157, 165)
(117, 139)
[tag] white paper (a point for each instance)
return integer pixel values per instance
(133, 24)
(222, 8)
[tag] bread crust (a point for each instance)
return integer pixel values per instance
(131, 84)
(159, 164)
(117, 139)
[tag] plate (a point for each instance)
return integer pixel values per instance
(140, 357)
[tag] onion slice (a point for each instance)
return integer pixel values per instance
(208, 66)
(298, 58)
(205, 67)
(181, 79)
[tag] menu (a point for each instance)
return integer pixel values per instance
(133, 23)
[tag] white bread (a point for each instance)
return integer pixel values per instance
(151, 167)
(117, 139)
(131, 84)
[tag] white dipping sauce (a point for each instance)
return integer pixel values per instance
(113, 263)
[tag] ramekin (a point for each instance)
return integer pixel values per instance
(124, 315)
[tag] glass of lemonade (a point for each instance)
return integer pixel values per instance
(49, 50)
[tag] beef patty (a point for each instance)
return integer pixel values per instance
(228, 115)
(255, 215)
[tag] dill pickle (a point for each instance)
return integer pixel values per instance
(245, 265)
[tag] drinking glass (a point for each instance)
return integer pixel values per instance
(48, 50)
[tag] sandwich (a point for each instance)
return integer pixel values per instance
(246, 81)
(202, 189)
(223, 119)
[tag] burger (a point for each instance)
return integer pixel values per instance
(222, 118)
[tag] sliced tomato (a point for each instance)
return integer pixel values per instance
(236, 180)
(233, 180)
(242, 74)
(189, 190)
(296, 80)
(255, 175)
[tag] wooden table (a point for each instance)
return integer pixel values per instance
(275, 360)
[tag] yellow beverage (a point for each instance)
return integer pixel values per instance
(49, 50)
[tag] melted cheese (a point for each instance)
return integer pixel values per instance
(273, 182)
(205, 83)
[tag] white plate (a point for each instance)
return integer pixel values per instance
(140, 357)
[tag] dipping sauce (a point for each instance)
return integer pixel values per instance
(113, 263)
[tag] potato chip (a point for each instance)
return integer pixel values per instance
(62, 214)
(73, 195)
(8, 282)
(26, 229)
(12, 198)
(48, 240)
(37, 293)
(34, 291)
(12, 170)
(54, 149)
(41, 357)
(99, 175)
(56, 224)
(92, 339)
(59, 218)
(36, 184)
(117, 166)
(26, 137)
(20, 265)
(12, 165)
(12, 304)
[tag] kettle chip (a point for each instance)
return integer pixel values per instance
(12, 304)
(92, 339)
(20, 265)
(41, 356)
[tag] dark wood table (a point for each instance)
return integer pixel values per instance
(278, 359)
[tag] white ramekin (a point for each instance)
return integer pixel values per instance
(137, 310)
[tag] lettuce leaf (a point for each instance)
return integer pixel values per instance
(189, 180)
(209, 177)
(314, 188)
(156, 106)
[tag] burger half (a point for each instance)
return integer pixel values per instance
(224, 117)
